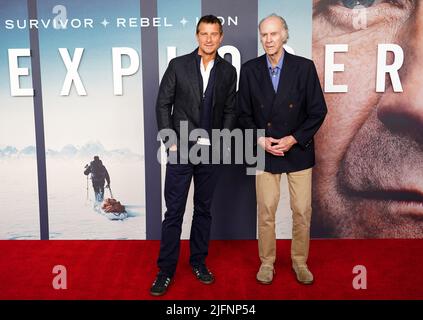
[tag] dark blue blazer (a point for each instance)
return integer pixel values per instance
(180, 95)
(298, 108)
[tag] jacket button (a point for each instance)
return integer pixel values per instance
(269, 124)
(291, 105)
(261, 106)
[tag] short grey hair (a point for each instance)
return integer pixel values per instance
(282, 20)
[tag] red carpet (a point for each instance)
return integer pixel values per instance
(125, 270)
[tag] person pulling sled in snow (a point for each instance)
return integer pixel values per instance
(99, 175)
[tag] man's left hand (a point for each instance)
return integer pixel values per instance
(284, 144)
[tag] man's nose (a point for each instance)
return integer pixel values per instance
(402, 112)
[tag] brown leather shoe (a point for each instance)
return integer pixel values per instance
(265, 274)
(304, 276)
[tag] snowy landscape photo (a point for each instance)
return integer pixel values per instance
(70, 194)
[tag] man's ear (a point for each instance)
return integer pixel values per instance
(221, 38)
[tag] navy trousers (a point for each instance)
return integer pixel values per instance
(177, 183)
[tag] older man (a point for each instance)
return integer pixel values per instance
(281, 93)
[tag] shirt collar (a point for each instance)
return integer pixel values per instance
(198, 57)
(209, 66)
(280, 62)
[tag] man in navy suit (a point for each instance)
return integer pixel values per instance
(198, 91)
(281, 93)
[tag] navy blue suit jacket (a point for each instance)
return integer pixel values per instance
(298, 108)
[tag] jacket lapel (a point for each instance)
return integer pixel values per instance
(217, 76)
(193, 79)
(286, 79)
(265, 86)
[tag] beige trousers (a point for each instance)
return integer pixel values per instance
(268, 194)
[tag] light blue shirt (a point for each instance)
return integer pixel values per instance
(275, 72)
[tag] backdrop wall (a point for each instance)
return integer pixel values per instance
(80, 79)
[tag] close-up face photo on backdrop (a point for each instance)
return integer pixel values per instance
(369, 175)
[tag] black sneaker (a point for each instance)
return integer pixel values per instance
(203, 274)
(160, 285)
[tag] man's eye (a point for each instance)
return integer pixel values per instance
(344, 13)
(361, 4)
(323, 5)
(354, 4)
